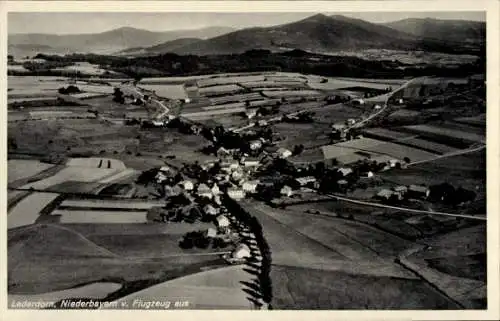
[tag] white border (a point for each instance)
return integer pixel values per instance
(493, 193)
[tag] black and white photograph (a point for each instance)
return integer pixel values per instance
(319, 160)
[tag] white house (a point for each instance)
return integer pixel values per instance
(393, 162)
(242, 251)
(345, 171)
(236, 193)
(160, 177)
(284, 153)
(234, 165)
(222, 221)
(215, 189)
(255, 144)
(236, 176)
(306, 180)
(217, 200)
(250, 186)
(187, 185)
(211, 232)
(210, 210)
(165, 169)
(251, 162)
(204, 191)
(368, 174)
(286, 191)
(384, 194)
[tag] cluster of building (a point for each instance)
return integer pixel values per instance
(401, 192)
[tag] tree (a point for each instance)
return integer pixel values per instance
(118, 96)
(407, 160)
(298, 149)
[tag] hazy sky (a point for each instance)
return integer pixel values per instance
(67, 23)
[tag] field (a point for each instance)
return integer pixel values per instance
(166, 91)
(216, 289)
(291, 93)
(22, 168)
(428, 146)
(385, 134)
(111, 204)
(346, 151)
(309, 135)
(337, 113)
(217, 81)
(473, 121)
(455, 263)
(300, 288)
(27, 211)
(98, 216)
(445, 134)
(98, 290)
(47, 258)
(72, 173)
(235, 98)
(468, 171)
(220, 90)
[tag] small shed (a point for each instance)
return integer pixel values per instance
(286, 191)
(345, 171)
(211, 232)
(384, 194)
(241, 251)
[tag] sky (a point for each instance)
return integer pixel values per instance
(92, 22)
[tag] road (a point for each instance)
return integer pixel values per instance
(456, 153)
(384, 107)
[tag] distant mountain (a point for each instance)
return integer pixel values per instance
(447, 30)
(165, 47)
(318, 33)
(110, 41)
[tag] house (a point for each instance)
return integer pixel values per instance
(215, 189)
(345, 171)
(204, 191)
(165, 169)
(234, 165)
(351, 121)
(217, 200)
(401, 190)
(393, 162)
(250, 186)
(286, 191)
(255, 144)
(377, 107)
(160, 177)
(368, 174)
(211, 232)
(222, 222)
(251, 113)
(251, 162)
(236, 176)
(303, 181)
(242, 251)
(173, 191)
(262, 122)
(384, 194)
(223, 152)
(210, 210)
(187, 185)
(236, 193)
(284, 153)
(418, 191)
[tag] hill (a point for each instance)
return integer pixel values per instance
(454, 30)
(108, 42)
(165, 47)
(316, 33)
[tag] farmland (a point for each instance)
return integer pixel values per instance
(26, 212)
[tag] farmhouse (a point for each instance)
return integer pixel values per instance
(303, 181)
(251, 162)
(418, 191)
(210, 210)
(255, 144)
(284, 153)
(187, 185)
(236, 193)
(286, 191)
(250, 186)
(401, 190)
(345, 171)
(211, 232)
(204, 191)
(384, 194)
(222, 222)
(215, 189)
(368, 174)
(241, 251)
